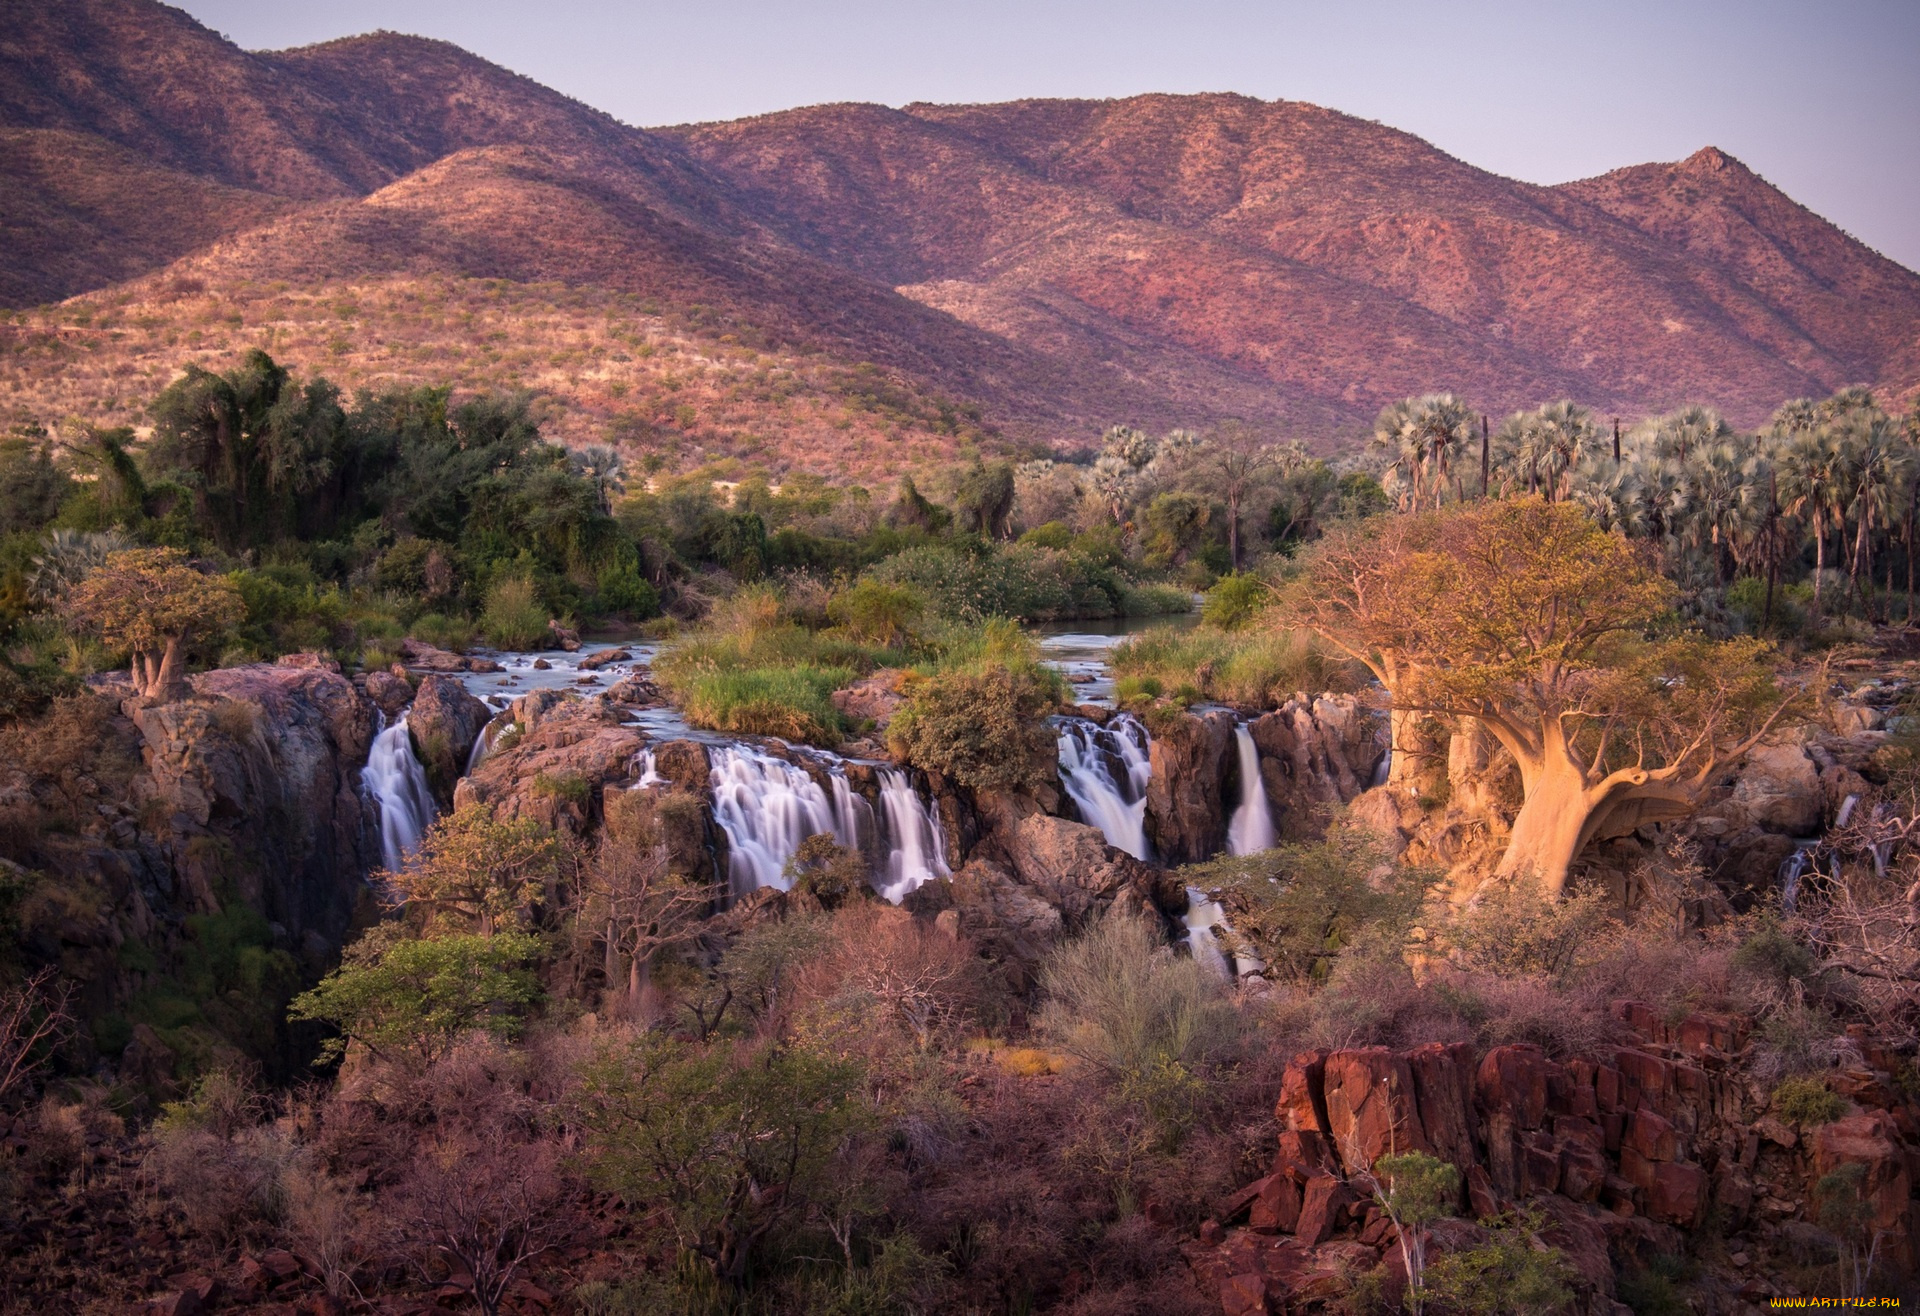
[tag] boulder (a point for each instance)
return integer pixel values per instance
(564, 637)
(1303, 1100)
(635, 690)
(390, 693)
(875, 698)
(444, 723)
(1779, 787)
(593, 662)
(1186, 809)
(557, 768)
(1071, 865)
(421, 656)
(254, 743)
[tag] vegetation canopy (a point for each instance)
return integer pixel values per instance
(1526, 619)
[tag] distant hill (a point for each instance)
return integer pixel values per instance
(850, 286)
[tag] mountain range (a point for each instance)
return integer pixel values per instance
(853, 286)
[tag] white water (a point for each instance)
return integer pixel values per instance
(1792, 868)
(916, 850)
(649, 774)
(397, 784)
(483, 743)
(1251, 828)
(768, 806)
(1105, 770)
(1202, 917)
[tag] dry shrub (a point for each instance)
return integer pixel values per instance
(224, 1186)
(885, 970)
(331, 1226)
(481, 1201)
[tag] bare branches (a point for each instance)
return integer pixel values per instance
(33, 1019)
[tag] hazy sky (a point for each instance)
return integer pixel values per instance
(1820, 97)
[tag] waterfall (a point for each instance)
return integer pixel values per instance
(483, 744)
(1203, 916)
(1105, 770)
(767, 807)
(916, 852)
(397, 784)
(644, 769)
(1251, 828)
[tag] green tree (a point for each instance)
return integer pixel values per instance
(481, 872)
(1526, 618)
(730, 1147)
(411, 1000)
(1415, 1189)
(150, 603)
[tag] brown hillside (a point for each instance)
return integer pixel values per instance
(77, 212)
(1307, 241)
(1051, 266)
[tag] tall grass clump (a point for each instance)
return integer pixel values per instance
(514, 617)
(793, 703)
(1253, 668)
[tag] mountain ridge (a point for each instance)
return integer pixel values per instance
(1050, 266)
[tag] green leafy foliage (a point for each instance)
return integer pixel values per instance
(985, 729)
(1807, 1102)
(412, 999)
(729, 1147)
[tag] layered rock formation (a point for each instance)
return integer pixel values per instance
(1624, 1152)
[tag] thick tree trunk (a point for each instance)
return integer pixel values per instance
(1550, 827)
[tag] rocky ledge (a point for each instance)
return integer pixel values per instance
(1623, 1152)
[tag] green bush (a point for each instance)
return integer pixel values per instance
(624, 590)
(877, 613)
(1303, 905)
(1053, 534)
(985, 729)
(1807, 1102)
(1116, 1002)
(568, 786)
(1234, 601)
(514, 617)
(1250, 668)
(1511, 1274)
(1156, 600)
(972, 581)
(441, 631)
(415, 999)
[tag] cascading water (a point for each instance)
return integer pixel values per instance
(767, 807)
(1203, 916)
(1792, 869)
(1251, 828)
(397, 784)
(648, 774)
(1105, 770)
(916, 851)
(483, 743)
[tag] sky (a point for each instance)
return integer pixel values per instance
(1819, 97)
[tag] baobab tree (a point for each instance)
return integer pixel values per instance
(150, 603)
(1527, 619)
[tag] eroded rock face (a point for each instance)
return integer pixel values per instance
(1186, 808)
(1623, 1152)
(1779, 788)
(257, 778)
(566, 754)
(1314, 757)
(444, 722)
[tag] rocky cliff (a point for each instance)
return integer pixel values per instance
(1627, 1152)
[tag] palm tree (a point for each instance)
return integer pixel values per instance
(1873, 473)
(1805, 466)
(1424, 435)
(1679, 432)
(602, 468)
(69, 557)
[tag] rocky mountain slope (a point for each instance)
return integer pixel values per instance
(1039, 268)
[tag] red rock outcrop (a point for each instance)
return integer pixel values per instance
(1622, 1153)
